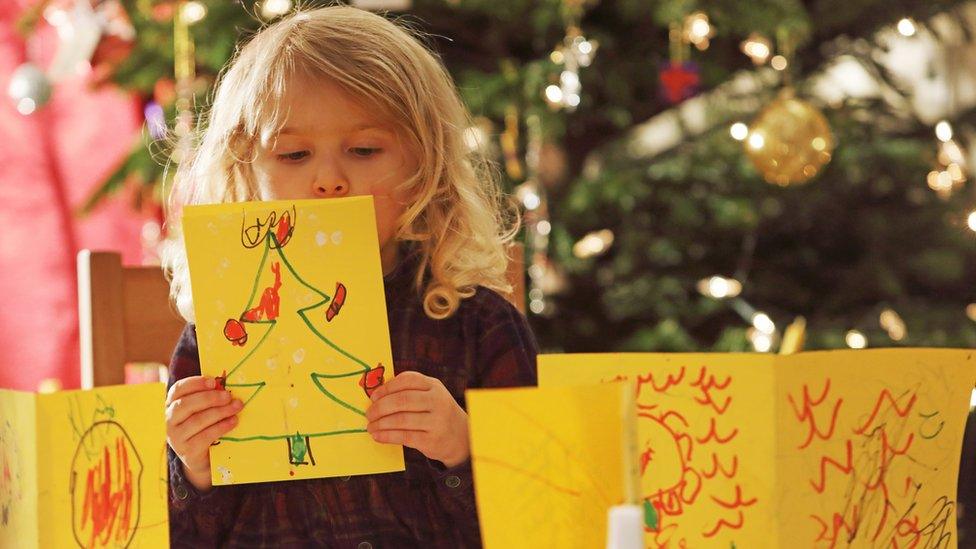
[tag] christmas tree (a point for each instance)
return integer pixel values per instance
(569, 95)
(263, 312)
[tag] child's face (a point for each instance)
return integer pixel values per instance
(331, 147)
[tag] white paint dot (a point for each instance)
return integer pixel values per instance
(298, 356)
(321, 239)
(293, 402)
(272, 364)
(337, 237)
(225, 474)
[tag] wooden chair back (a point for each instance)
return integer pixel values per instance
(124, 316)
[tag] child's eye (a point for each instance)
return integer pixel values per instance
(293, 156)
(364, 152)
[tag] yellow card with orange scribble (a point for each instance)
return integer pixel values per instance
(84, 468)
(822, 449)
(549, 463)
(291, 315)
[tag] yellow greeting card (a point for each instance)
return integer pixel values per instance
(291, 316)
(824, 449)
(549, 463)
(869, 444)
(84, 468)
(705, 441)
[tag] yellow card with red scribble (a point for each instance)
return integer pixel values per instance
(84, 468)
(549, 463)
(18, 469)
(824, 449)
(869, 446)
(705, 441)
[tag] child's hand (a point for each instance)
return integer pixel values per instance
(418, 411)
(196, 416)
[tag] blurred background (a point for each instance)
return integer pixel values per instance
(695, 175)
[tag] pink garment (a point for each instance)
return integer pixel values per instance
(49, 163)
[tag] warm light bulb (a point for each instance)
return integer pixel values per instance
(761, 341)
(700, 28)
(758, 48)
(757, 141)
(719, 287)
(554, 94)
(273, 8)
(856, 340)
(193, 12)
(763, 323)
(569, 79)
(906, 27)
(593, 244)
(739, 131)
(943, 131)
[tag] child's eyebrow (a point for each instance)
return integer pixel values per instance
(299, 130)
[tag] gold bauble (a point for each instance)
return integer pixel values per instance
(790, 141)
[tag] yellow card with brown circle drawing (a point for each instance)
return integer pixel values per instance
(84, 468)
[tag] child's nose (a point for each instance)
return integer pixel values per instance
(331, 188)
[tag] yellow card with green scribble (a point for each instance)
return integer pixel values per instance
(705, 441)
(84, 468)
(291, 315)
(823, 449)
(549, 463)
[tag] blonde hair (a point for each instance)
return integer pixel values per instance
(458, 217)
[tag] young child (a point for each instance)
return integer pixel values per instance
(340, 102)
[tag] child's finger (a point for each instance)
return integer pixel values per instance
(201, 420)
(412, 439)
(401, 421)
(410, 400)
(181, 409)
(189, 385)
(402, 382)
(205, 438)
